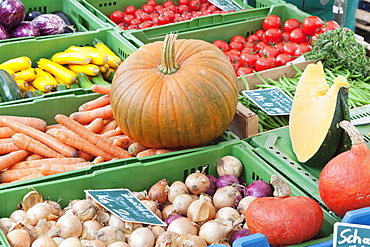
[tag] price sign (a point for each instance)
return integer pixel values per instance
(125, 205)
(351, 235)
(273, 101)
(226, 5)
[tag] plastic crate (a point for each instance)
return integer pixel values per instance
(45, 48)
(261, 3)
(84, 20)
(140, 176)
(224, 32)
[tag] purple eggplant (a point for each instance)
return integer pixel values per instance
(12, 12)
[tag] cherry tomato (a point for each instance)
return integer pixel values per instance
(298, 36)
(247, 49)
(117, 16)
(183, 2)
(130, 10)
(222, 45)
(283, 58)
(244, 71)
(212, 9)
(194, 5)
(290, 48)
(271, 21)
(252, 39)
(203, 6)
(312, 24)
(236, 45)
(273, 35)
(269, 51)
(302, 48)
(264, 63)
(249, 59)
(144, 17)
(329, 25)
(123, 25)
(291, 24)
(238, 38)
(204, 1)
(280, 45)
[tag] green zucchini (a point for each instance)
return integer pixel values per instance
(84, 81)
(9, 89)
(38, 93)
(61, 87)
(74, 85)
(29, 94)
(100, 80)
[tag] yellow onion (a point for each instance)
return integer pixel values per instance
(55, 207)
(119, 244)
(167, 239)
(47, 228)
(227, 196)
(181, 203)
(229, 165)
(157, 230)
(215, 231)
(197, 183)
(31, 199)
(158, 192)
(7, 224)
(152, 205)
(141, 195)
(70, 226)
(17, 216)
(244, 204)
(201, 210)
(89, 229)
(44, 241)
(228, 213)
(190, 240)
(39, 211)
(142, 237)
(110, 235)
(19, 238)
(167, 211)
(176, 188)
(92, 243)
(58, 240)
(84, 209)
(71, 242)
(183, 225)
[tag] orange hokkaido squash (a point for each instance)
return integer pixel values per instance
(174, 93)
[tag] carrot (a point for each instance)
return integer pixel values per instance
(136, 148)
(78, 143)
(52, 126)
(163, 151)
(12, 158)
(100, 89)
(147, 152)
(109, 126)
(34, 157)
(85, 117)
(113, 132)
(6, 132)
(95, 103)
(8, 148)
(90, 136)
(28, 177)
(38, 163)
(36, 123)
(42, 137)
(28, 143)
(98, 159)
(84, 155)
(108, 120)
(49, 169)
(123, 141)
(11, 175)
(5, 140)
(96, 125)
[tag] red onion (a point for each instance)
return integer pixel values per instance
(229, 165)
(213, 185)
(226, 180)
(259, 188)
(172, 218)
(240, 233)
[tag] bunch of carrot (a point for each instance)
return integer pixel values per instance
(30, 148)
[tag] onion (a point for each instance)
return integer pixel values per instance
(213, 185)
(39, 211)
(229, 165)
(19, 238)
(158, 213)
(84, 209)
(70, 226)
(167, 239)
(31, 199)
(7, 224)
(58, 240)
(119, 244)
(157, 230)
(93, 243)
(158, 192)
(102, 217)
(240, 233)
(201, 210)
(197, 183)
(172, 218)
(47, 228)
(226, 180)
(89, 228)
(181, 203)
(214, 231)
(18, 215)
(55, 207)
(259, 188)
(142, 237)
(71, 242)
(189, 240)
(110, 235)
(167, 211)
(176, 188)
(44, 241)
(140, 194)
(125, 226)
(152, 205)
(244, 204)
(183, 225)
(228, 213)
(227, 196)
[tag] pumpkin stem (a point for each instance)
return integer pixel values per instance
(168, 64)
(352, 131)
(281, 188)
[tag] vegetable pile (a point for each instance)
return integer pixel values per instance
(201, 210)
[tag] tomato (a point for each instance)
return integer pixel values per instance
(247, 49)
(314, 37)
(183, 2)
(147, 8)
(232, 57)
(117, 16)
(260, 45)
(238, 38)
(181, 9)
(244, 71)
(151, 2)
(186, 16)
(312, 24)
(163, 19)
(204, 1)
(269, 51)
(283, 58)
(236, 45)
(144, 17)
(298, 36)
(203, 6)
(285, 36)
(212, 9)
(170, 15)
(194, 5)
(290, 47)
(273, 35)
(252, 39)
(271, 21)
(135, 22)
(222, 45)
(168, 3)
(302, 48)
(259, 33)
(145, 24)
(291, 24)
(264, 63)
(130, 10)
(237, 65)
(234, 51)
(249, 59)
(329, 25)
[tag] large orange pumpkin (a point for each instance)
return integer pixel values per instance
(174, 93)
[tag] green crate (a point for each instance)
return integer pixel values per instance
(223, 32)
(84, 20)
(140, 176)
(261, 3)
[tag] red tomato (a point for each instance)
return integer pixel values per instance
(204, 1)
(314, 37)
(237, 65)
(271, 21)
(236, 45)
(163, 19)
(147, 8)
(181, 9)
(291, 24)
(232, 57)
(234, 51)
(151, 2)
(138, 12)
(273, 35)
(238, 38)
(252, 39)
(269, 51)
(249, 59)
(183, 2)
(145, 24)
(186, 16)
(244, 71)
(212, 9)
(128, 19)
(130, 10)
(123, 25)
(117, 16)
(144, 17)
(264, 63)
(290, 47)
(247, 49)
(135, 22)
(302, 48)
(259, 33)
(285, 36)
(312, 24)
(222, 45)
(283, 58)
(298, 35)
(260, 45)
(170, 15)
(329, 25)
(194, 5)
(168, 3)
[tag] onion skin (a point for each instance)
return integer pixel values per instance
(19, 238)
(110, 235)
(7, 224)
(71, 242)
(259, 188)
(172, 218)
(119, 244)
(189, 240)
(83, 209)
(181, 203)
(167, 239)
(215, 231)
(244, 204)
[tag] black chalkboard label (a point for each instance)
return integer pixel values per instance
(273, 101)
(125, 205)
(351, 235)
(226, 5)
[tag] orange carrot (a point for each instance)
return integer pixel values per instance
(6, 132)
(28, 177)
(113, 132)
(163, 151)
(100, 89)
(27, 143)
(11, 175)
(52, 126)
(147, 152)
(8, 148)
(12, 158)
(85, 117)
(90, 136)
(5, 140)
(38, 163)
(136, 148)
(123, 141)
(78, 143)
(109, 126)
(49, 169)
(84, 155)
(42, 137)
(34, 157)
(108, 120)
(98, 159)
(36, 123)
(96, 125)
(95, 103)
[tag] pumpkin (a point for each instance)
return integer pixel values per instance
(316, 111)
(344, 183)
(283, 219)
(174, 93)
